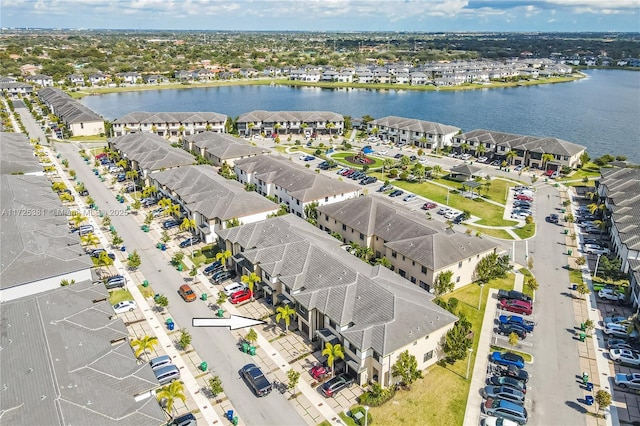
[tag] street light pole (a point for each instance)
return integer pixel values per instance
(469, 363)
(595, 271)
(366, 415)
(480, 299)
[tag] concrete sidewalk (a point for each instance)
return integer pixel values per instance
(479, 374)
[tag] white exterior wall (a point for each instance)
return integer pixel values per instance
(87, 129)
(40, 286)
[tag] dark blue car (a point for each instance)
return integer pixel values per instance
(507, 358)
(515, 319)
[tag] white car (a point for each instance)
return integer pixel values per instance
(619, 330)
(520, 216)
(482, 159)
(233, 288)
(595, 249)
(423, 161)
(124, 306)
(450, 214)
(631, 380)
(498, 421)
(409, 197)
(443, 210)
(465, 156)
(383, 152)
(610, 294)
(625, 356)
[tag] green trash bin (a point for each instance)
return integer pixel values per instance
(569, 252)
(583, 336)
(204, 296)
(252, 350)
(203, 366)
(234, 421)
(159, 245)
(180, 268)
(145, 283)
(245, 347)
(220, 313)
(112, 228)
(583, 327)
(566, 231)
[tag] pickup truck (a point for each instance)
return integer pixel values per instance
(513, 295)
(256, 379)
(515, 319)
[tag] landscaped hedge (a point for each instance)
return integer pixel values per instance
(377, 395)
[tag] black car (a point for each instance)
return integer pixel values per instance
(83, 193)
(168, 224)
(514, 372)
(185, 420)
(458, 219)
(507, 329)
(396, 193)
(509, 382)
(209, 270)
(189, 241)
(335, 385)
(96, 253)
(514, 295)
(259, 383)
(398, 156)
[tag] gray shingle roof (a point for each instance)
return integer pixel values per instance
(17, 155)
(465, 169)
(171, 117)
(36, 244)
(223, 146)
(65, 361)
(622, 189)
(206, 192)
(414, 125)
(538, 144)
(67, 108)
(151, 152)
(284, 116)
(300, 182)
(383, 311)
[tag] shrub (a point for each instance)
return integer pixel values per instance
(376, 396)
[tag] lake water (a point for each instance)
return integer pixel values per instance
(601, 112)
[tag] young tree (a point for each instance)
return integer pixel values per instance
(215, 386)
(332, 352)
(144, 345)
(513, 339)
(162, 302)
(293, 377)
(532, 283)
(311, 212)
(285, 312)
(603, 399)
(164, 237)
(148, 219)
(222, 297)
(106, 221)
(457, 342)
(251, 336)
(134, 260)
(193, 273)
(170, 393)
(65, 282)
(185, 339)
(406, 368)
(116, 240)
(583, 289)
(443, 284)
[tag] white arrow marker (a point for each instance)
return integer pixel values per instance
(234, 322)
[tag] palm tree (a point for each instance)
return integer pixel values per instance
(104, 259)
(122, 163)
(250, 126)
(332, 352)
(480, 150)
(78, 219)
(187, 224)
(510, 155)
(165, 203)
(222, 256)
(132, 175)
(89, 240)
(174, 209)
(277, 127)
(171, 393)
(148, 191)
(436, 170)
(546, 158)
(251, 280)
(330, 126)
(464, 147)
(144, 345)
(285, 312)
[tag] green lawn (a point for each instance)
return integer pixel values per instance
(575, 276)
(527, 231)
(205, 255)
(440, 397)
(119, 295)
(339, 157)
(525, 288)
(527, 357)
(497, 233)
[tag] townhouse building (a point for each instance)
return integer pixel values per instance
(97, 79)
(79, 119)
(292, 185)
(148, 153)
(417, 250)
(15, 89)
(129, 77)
(528, 150)
(76, 79)
(620, 191)
(221, 148)
(286, 122)
(373, 313)
(211, 200)
(410, 131)
(170, 124)
(40, 79)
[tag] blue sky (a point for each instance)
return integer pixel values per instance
(327, 15)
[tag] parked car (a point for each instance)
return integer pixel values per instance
(516, 306)
(507, 358)
(233, 288)
(190, 241)
(443, 210)
(619, 330)
(495, 163)
(616, 320)
(409, 197)
(185, 420)
(518, 167)
(335, 385)
(429, 205)
(507, 329)
(630, 380)
(503, 392)
(515, 319)
(625, 357)
(116, 281)
(451, 214)
(223, 275)
(319, 371)
(509, 382)
(514, 372)
(497, 421)
(520, 215)
(514, 295)
(482, 159)
(240, 296)
(611, 294)
(618, 344)
(595, 249)
(83, 193)
(524, 197)
(396, 193)
(522, 204)
(187, 293)
(209, 270)
(171, 223)
(591, 230)
(506, 409)
(124, 306)
(96, 253)
(258, 382)
(465, 156)
(459, 219)
(384, 188)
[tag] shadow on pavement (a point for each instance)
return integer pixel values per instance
(579, 408)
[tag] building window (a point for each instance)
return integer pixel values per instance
(326, 217)
(460, 264)
(427, 356)
(423, 269)
(376, 356)
(344, 227)
(402, 273)
(457, 279)
(361, 236)
(394, 254)
(413, 280)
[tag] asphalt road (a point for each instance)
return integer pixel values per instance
(216, 346)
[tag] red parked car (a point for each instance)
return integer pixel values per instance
(240, 296)
(517, 306)
(429, 205)
(319, 372)
(524, 197)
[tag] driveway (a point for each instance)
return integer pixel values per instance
(214, 345)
